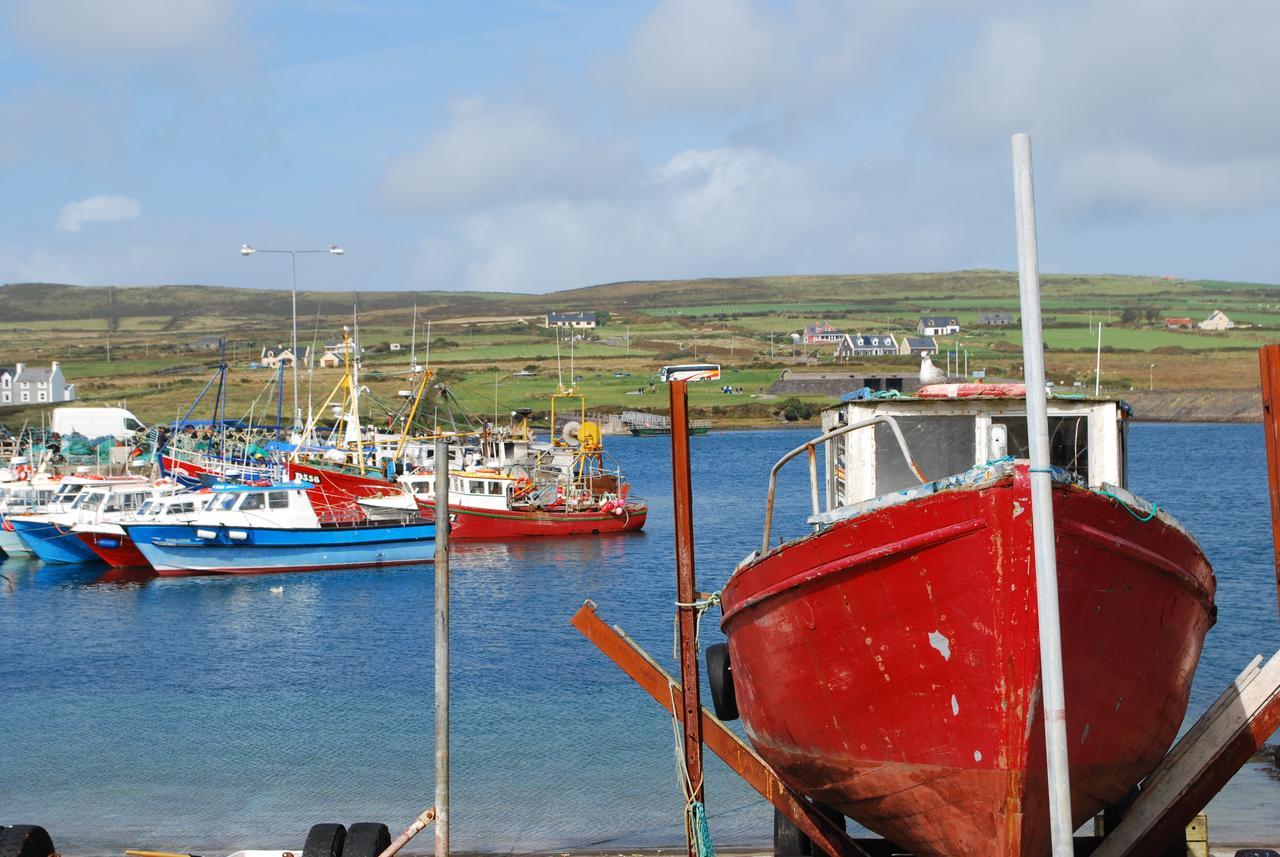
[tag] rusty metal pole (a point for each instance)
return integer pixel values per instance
(686, 594)
(442, 646)
(1269, 366)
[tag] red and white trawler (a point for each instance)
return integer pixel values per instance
(887, 663)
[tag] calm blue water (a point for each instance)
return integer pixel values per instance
(205, 714)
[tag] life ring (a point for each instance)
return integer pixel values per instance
(970, 391)
(23, 472)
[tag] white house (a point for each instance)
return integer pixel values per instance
(281, 355)
(23, 384)
(866, 345)
(330, 359)
(1217, 320)
(580, 320)
(938, 325)
(395, 346)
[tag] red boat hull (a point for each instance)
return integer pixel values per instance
(115, 551)
(471, 523)
(339, 489)
(889, 665)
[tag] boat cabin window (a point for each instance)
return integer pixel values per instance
(941, 446)
(495, 488)
(88, 501)
(79, 498)
(1068, 441)
(278, 500)
(252, 501)
(226, 503)
(477, 486)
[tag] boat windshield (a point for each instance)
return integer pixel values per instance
(91, 500)
(149, 508)
(225, 503)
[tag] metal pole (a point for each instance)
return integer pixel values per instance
(1097, 369)
(1269, 363)
(686, 594)
(1046, 567)
(297, 411)
(442, 646)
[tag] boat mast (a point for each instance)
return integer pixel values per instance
(1046, 567)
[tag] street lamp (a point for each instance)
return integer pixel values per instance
(1151, 378)
(335, 250)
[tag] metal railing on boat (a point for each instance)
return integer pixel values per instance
(812, 448)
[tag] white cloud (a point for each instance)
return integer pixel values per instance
(97, 208)
(748, 56)
(490, 153)
(704, 212)
(1155, 106)
(122, 27)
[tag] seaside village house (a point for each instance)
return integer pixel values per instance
(1217, 320)
(995, 319)
(938, 325)
(574, 320)
(914, 346)
(819, 333)
(1179, 323)
(854, 345)
(281, 355)
(23, 384)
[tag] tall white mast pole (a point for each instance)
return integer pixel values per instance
(1046, 560)
(1097, 370)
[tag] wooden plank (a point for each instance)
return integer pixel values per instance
(1211, 714)
(1223, 740)
(735, 753)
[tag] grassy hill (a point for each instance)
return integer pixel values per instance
(479, 339)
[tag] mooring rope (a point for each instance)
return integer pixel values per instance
(700, 606)
(695, 814)
(1155, 507)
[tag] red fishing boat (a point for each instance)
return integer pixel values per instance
(887, 663)
(490, 505)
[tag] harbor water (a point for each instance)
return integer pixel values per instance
(212, 713)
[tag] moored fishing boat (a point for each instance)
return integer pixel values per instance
(110, 541)
(887, 664)
(50, 533)
(251, 529)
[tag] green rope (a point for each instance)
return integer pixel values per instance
(1155, 507)
(696, 818)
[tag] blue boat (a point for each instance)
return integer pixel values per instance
(254, 529)
(51, 534)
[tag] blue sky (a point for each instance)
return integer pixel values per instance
(532, 146)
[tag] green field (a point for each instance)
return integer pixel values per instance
(477, 338)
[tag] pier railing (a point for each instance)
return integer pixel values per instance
(812, 448)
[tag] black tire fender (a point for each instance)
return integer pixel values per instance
(25, 840)
(324, 840)
(724, 698)
(366, 839)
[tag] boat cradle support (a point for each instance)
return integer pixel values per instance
(1234, 728)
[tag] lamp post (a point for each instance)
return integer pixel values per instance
(333, 249)
(1151, 378)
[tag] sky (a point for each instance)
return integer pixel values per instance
(537, 145)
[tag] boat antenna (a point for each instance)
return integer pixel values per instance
(559, 372)
(1097, 371)
(413, 340)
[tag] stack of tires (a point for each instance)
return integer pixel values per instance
(363, 839)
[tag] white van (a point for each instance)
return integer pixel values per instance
(120, 423)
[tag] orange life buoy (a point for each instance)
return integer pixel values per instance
(970, 391)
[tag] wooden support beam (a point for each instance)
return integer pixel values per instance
(735, 753)
(1226, 736)
(1269, 369)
